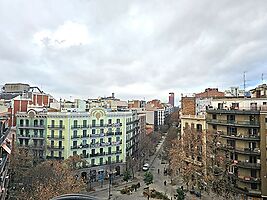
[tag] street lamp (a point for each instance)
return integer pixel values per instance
(110, 173)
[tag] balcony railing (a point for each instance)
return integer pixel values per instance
(105, 144)
(38, 137)
(239, 110)
(248, 179)
(80, 126)
(75, 136)
(55, 157)
(246, 151)
(80, 146)
(55, 137)
(97, 135)
(56, 126)
(118, 133)
(110, 133)
(239, 136)
(248, 165)
(31, 126)
(233, 123)
(24, 136)
(4, 135)
(55, 147)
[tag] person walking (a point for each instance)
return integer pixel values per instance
(165, 183)
(158, 171)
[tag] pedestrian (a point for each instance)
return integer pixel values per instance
(165, 183)
(158, 171)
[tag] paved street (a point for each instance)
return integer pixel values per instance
(158, 184)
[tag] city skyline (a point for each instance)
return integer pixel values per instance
(134, 49)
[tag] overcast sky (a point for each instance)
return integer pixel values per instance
(137, 49)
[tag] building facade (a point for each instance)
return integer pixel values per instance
(242, 128)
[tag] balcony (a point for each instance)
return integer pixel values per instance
(4, 135)
(80, 146)
(85, 136)
(245, 151)
(248, 165)
(37, 147)
(55, 157)
(55, 147)
(248, 179)
(239, 111)
(110, 133)
(56, 126)
(118, 133)
(38, 137)
(75, 136)
(251, 124)
(97, 154)
(31, 126)
(240, 137)
(98, 125)
(97, 135)
(26, 136)
(55, 137)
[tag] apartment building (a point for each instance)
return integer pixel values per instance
(5, 151)
(102, 138)
(241, 124)
(31, 132)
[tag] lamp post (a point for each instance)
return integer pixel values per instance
(110, 174)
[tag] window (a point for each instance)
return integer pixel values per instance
(230, 118)
(117, 148)
(101, 122)
(75, 123)
(60, 133)
(52, 122)
(109, 160)
(109, 130)
(84, 123)
(117, 139)
(101, 161)
(41, 133)
(60, 123)
(109, 121)
(35, 133)
(93, 141)
(60, 144)
(75, 134)
(84, 142)
(27, 122)
(101, 130)
(117, 159)
(26, 142)
(254, 186)
(93, 131)
(35, 122)
(101, 150)
(109, 150)
(93, 122)
(41, 142)
(60, 154)
(41, 122)
(21, 122)
(52, 154)
(264, 103)
(101, 140)
(84, 133)
(214, 116)
(52, 133)
(74, 143)
(118, 121)
(35, 143)
(52, 143)
(231, 130)
(20, 142)
(109, 140)
(92, 161)
(214, 127)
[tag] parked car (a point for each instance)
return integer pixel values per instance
(145, 167)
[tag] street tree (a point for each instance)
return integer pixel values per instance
(148, 178)
(43, 181)
(180, 194)
(126, 176)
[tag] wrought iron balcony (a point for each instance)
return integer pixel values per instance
(55, 147)
(233, 123)
(55, 137)
(56, 126)
(248, 165)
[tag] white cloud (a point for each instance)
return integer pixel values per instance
(66, 35)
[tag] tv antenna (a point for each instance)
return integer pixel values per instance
(244, 79)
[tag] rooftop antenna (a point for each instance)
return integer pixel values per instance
(244, 79)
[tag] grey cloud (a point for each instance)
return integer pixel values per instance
(180, 46)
